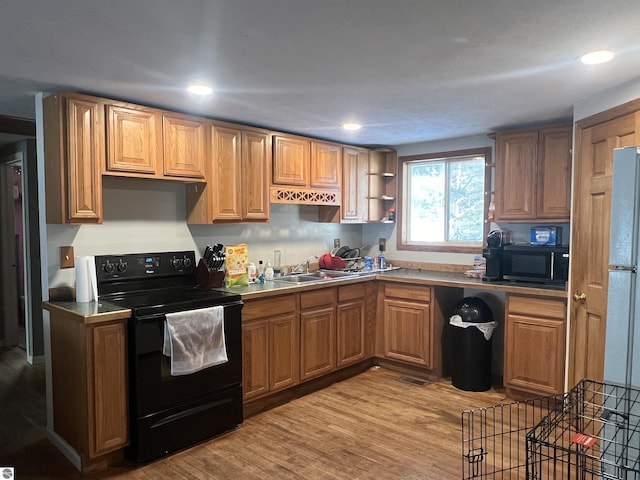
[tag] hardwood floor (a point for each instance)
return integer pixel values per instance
(371, 426)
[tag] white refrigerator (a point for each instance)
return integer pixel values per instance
(622, 348)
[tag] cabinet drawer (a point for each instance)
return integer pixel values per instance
(408, 292)
(269, 307)
(351, 292)
(536, 306)
(317, 298)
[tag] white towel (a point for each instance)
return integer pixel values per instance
(194, 339)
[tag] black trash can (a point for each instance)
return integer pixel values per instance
(471, 351)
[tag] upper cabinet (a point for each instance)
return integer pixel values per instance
(306, 171)
(74, 144)
(237, 174)
(355, 185)
(533, 174)
(146, 142)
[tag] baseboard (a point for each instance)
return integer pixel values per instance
(67, 450)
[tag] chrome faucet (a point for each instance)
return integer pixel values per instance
(296, 269)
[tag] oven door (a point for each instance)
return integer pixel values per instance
(153, 388)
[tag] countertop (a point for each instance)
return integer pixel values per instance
(100, 311)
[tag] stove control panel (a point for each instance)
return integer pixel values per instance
(144, 265)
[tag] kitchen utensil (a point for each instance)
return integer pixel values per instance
(332, 262)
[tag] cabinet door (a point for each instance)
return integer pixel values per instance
(516, 156)
(326, 165)
(284, 352)
(535, 344)
(255, 359)
(291, 161)
(350, 332)
(134, 140)
(355, 185)
(256, 172)
(108, 398)
(226, 178)
(407, 331)
(317, 342)
(554, 174)
(85, 155)
(184, 146)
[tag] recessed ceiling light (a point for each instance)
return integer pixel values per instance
(351, 126)
(599, 56)
(200, 89)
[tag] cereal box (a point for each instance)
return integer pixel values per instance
(237, 260)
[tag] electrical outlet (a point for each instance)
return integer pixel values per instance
(336, 243)
(66, 257)
(382, 244)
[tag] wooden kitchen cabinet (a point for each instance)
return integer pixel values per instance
(74, 145)
(326, 165)
(534, 345)
(317, 333)
(291, 161)
(355, 185)
(89, 385)
(533, 174)
(237, 188)
(270, 345)
(184, 145)
(351, 325)
(134, 143)
(408, 325)
(382, 185)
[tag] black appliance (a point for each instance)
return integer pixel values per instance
(533, 263)
(169, 413)
(493, 255)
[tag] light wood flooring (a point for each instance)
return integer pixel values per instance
(371, 426)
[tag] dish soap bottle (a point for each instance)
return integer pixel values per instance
(268, 271)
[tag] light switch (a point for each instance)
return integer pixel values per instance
(66, 257)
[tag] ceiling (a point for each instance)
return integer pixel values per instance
(408, 70)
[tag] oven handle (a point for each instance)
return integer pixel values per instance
(161, 316)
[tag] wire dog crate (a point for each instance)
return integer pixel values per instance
(592, 432)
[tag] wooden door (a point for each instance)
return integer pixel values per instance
(256, 172)
(535, 345)
(350, 335)
(284, 352)
(355, 185)
(516, 156)
(108, 397)
(134, 140)
(226, 177)
(317, 342)
(596, 137)
(407, 331)
(255, 359)
(326, 165)
(553, 195)
(291, 161)
(184, 145)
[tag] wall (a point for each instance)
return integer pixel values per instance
(149, 216)
(371, 233)
(609, 98)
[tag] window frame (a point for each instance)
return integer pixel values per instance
(400, 214)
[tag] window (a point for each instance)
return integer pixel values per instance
(443, 202)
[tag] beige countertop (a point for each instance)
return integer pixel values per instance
(100, 311)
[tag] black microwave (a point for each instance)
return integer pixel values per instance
(533, 263)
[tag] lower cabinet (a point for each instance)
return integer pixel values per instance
(89, 385)
(351, 325)
(271, 345)
(408, 325)
(534, 345)
(317, 333)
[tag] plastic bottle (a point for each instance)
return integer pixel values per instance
(253, 272)
(382, 263)
(261, 271)
(268, 271)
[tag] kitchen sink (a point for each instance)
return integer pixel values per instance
(316, 276)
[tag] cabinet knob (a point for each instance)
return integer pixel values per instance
(579, 297)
